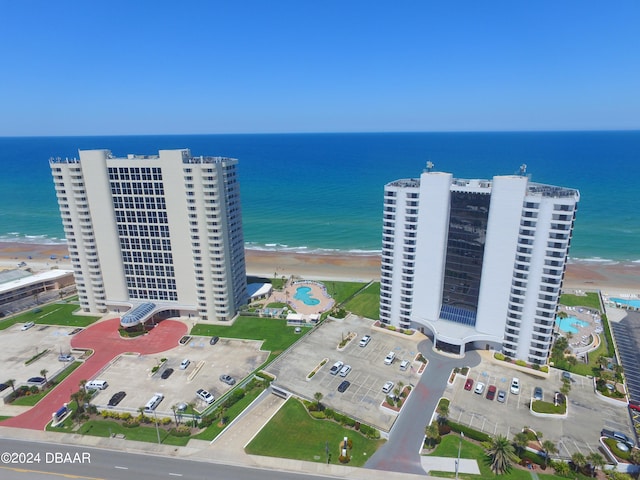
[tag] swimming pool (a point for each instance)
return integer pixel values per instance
(303, 294)
(623, 301)
(567, 325)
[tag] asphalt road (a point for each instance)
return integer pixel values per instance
(402, 452)
(21, 460)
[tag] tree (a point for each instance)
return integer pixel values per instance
(318, 397)
(501, 454)
(561, 468)
(596, 461)
(634, 456)
(443, 412)
(44, 372)
(549, 448)
(565, 388)
(579, 461)
(174, 409)
(83, 385)
(432, 433)
(520, 440)
(12, 383)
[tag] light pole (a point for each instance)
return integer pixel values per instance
(459, 449)
(158, 430)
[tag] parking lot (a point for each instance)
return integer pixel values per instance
(363, 397)
(626, 330)
(19, 346)
(133, 373)
(579, 432)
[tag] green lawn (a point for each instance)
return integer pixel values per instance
(292, 433)
(341, 291)
(104, 428)
(276, 334)
(51, 314)
(366, 303)
(591, 300)
(449, 448)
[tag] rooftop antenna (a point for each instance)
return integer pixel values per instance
(523, 170)
(429, 166)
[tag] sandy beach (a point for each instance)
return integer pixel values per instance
(606, 276)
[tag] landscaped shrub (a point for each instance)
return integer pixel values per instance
(498, 356)
(469, 432)
(532, 457)
(392, 328)
(166, 421)
(318, 415)
(521, 363)
(265, 376)
(544, 368)
(181, 431)
(443, 429)
(343, 459)
(613, 446)
(131, 423)
(369, 432)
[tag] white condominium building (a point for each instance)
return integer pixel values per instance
(476, 263)
(161, 232)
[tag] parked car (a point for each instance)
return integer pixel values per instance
(479, 388)
(345, 370)
(343, 386)
(537, 393)
(335, 369)
(618, 436)
(27, 326)
(66, 358)
(388, 360)
(214, 340)
(566, 376)
(116, 398)
(228, 379)
(404, 364)
(502, 396)
(3, 386)
(184, 364)
(364, 341)
(634, 405)
(468, 385)
(515, 386)
(387, 387)
(75, 330)
(491, 392)
(167, 373)
(205, 396)
(36, 381)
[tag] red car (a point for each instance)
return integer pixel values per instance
(491, 392)
(634, 405)
(468, 384)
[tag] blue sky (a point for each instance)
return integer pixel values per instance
(161, 67)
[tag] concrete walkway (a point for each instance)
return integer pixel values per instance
(447, 464)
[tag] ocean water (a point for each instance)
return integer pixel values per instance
(323, 192)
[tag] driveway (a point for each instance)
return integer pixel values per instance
(105, 341)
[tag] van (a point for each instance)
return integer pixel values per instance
(153, 403)
(97, 385)
(185, 363)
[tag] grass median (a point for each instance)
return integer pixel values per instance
(293, 433)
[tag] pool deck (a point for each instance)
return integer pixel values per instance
(579, 341)
(317, 291)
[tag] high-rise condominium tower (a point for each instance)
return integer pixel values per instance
(476, 263)
(161, 230)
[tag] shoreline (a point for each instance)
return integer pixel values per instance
(621, 277)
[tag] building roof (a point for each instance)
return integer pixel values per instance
(258, 289)
(45, 276)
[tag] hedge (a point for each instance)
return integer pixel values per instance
(469, 432)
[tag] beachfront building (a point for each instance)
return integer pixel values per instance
(476, 263)
(162, 230)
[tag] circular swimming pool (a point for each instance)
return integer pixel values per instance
(570, 324)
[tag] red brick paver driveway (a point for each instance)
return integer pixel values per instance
(105, 341)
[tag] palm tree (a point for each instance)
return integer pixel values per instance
(549, 448)
(501, 453)
(443, 412)
(634, 456)
(521, 440)
(597, 461)
(432, 433)
(44, 372)
(174, 409)
(579, 461)
(83, 385)
(318, 396)
(12, 383)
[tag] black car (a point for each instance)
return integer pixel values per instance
(167, 373)
(343, 386)
(75, 330)
(214, 340)
(3, 386)
(117, 398)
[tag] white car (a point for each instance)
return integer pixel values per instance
(364, 341)
(479, 388)
(388, 360)
(404, 365)
(515, 386)
(345, 370)
(387, 387)
(27, 326)
(205, 396)
(335, 369)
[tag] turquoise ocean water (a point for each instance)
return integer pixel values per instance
(323, 192)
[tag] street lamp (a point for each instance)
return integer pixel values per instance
(158, 430)
(459, 449)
